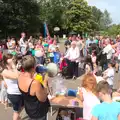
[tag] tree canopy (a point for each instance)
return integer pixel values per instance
(70, 15)
(19, 15)
(79, 16)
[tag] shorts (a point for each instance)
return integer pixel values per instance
(16, 101)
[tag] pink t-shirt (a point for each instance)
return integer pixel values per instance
(93, 59)
(39, 51)
(90, 100)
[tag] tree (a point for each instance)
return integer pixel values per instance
(79, 16)
(105, 20)
(52, 12)
(17, 16)
(96, 18)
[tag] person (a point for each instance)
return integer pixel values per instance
(108, 50)
(57, 55)
(88, 95)
(39, 52)
(10, 76)
(116, 47)
(9, 45)
(52, 49)
(13, 42)
(94, 60)
(3, 94)
(107, 110)
(34, 93)
(30, 45)
(22, 44)
(109, 73)
(88, 65)
(67, 43)
(73, 55)
(89, 43)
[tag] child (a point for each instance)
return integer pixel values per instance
(88, 66)
(87, 94)
(109, 73)
(94, 61)
(3, 94)
(64, 115)
(57, 55)
(107, 110)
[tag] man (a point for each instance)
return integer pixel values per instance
(108, 50)
(68, 43)
(107, 110)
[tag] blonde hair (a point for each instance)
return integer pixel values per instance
(89, 82)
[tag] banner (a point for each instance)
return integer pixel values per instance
(46, 31)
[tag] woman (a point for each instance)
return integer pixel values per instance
(52, 49)
(34, 93)
(9, 45)
(73, 55)
(88, 96)
(10, 75)
(39, 52)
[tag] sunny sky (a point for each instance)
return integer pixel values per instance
(113, 7)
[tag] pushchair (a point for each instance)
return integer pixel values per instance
(65, 69)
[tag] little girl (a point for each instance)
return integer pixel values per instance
(3, 92)
(88, 65)
(57, 55)
(109, 74)
(94, 61)
(3, 95)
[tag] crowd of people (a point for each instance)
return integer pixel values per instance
(95, 57)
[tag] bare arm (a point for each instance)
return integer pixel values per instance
(119, 117)
(10, 74)
(94, 118)
(5, 85)
(40, 92)
(81, 95)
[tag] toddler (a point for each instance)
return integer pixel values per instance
(3, 94)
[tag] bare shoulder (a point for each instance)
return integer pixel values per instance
(4, 72)
(36, 84)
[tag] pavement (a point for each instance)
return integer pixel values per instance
(72, 84)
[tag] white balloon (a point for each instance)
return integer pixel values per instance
(52, 69)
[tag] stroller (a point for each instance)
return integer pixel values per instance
(65, 69)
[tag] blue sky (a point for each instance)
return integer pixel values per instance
(113, 7)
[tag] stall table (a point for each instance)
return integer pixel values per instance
(64, 102)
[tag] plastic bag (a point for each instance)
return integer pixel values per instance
(58, 86)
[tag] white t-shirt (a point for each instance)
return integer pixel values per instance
(109, 50)
(110, 74)
(12, 86)
(90, 101)
(52, 47)
(73, 53)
